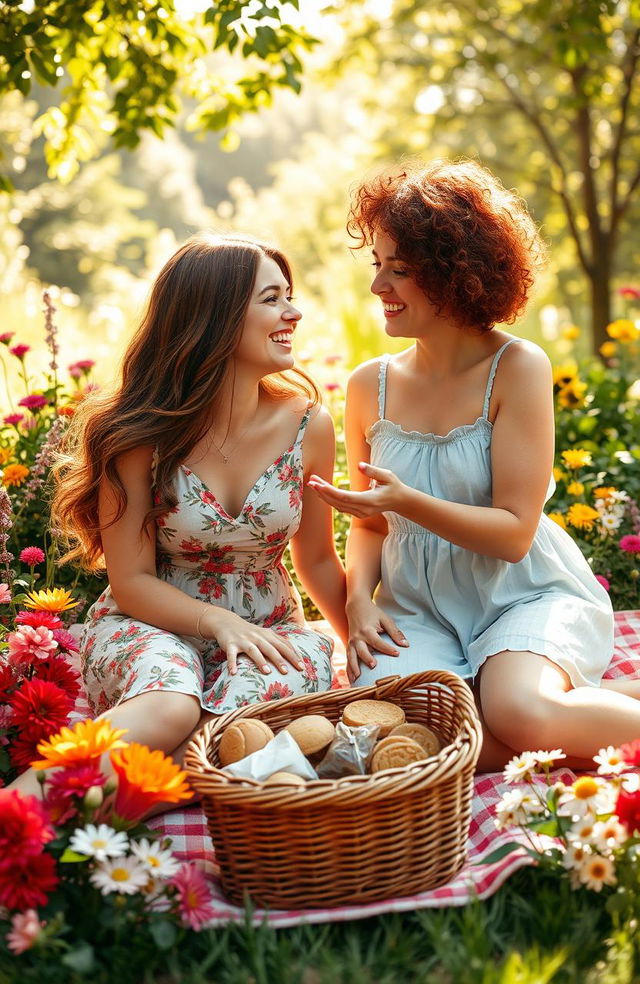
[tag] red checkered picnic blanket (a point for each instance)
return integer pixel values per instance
(188, 831)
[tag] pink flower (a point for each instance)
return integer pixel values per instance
(20, 351)
(75, 372)
(629, 294)
(36, 619)
(5, 594)
(331, 360)
(194, 897)
(66, 641)
(603, 581)
(28, 643)
(630, 543)
(14, 419)
(6, 337)
(331, 387)
(25, 929)
(35, 401)
(31, 556)
(83, 365)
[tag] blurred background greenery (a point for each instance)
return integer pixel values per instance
(544, 93)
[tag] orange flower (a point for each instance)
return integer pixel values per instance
(50, 600)
(66, 411)
(146, 777)
(85, 742)
(14, 475)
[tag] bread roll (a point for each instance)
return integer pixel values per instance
(285, 779)
(311, 732)
(242, 738)
(381, 712)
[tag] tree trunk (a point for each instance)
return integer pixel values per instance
(600, 283)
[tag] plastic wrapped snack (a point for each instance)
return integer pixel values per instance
(349, 752)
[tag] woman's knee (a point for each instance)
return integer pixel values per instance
(159, 718)
(524, 722)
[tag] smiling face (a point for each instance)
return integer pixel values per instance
(408, 311)
(266, 341)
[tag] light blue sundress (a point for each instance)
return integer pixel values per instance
(457, 607)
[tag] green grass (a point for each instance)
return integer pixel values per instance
(533, 931)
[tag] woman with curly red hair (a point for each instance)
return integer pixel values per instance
(451, 562)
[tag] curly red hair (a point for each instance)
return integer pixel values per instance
(470, 244)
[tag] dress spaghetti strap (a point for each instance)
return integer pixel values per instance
(303, 424)
(492, 373)
(382, 385)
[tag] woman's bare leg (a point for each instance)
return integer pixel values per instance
(528, 703)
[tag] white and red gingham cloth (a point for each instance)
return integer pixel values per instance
(188, 831)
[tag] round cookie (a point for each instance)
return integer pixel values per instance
(284, 779)
(396, 751)
(420, 733)
(311, 732)
(381, 712)
(242, 738)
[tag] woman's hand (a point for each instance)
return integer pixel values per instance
(366, 623)
(236, 635)
(383, 495)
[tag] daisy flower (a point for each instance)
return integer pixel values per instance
(576, 458)
(123, 875)
(575, 855)
(609, 834)
(50, 599)
(610, 761)
(582, 831)
(587, 795)
(99, 842)
(546, 760)
(516, 807)
(159, 861)
(596, 871)
(520, 768)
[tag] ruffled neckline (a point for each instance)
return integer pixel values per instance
(455, 434)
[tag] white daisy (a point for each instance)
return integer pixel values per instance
(588, 795)
(610, 761)
(521, 767)
(546, 759)
(99, 842)
(159, 862)
(516, 807)
(596, 871)
(575, 855)
(608, 834)
(610, 522)
(582, 831)
(124, 875)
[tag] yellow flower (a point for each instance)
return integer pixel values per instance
(603, 492)
(558, 474)
(570, 332)
(576, 458)
(87, 741)
(51, 600)
(581, 516)
(575, 488)
(559, 519)
(608, 350)
(565, 374)
(623, 330)
(14, 475)
(6, 454)
(585, 787)
(572, 395)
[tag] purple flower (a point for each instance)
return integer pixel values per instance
(32, 556)
(35, 401)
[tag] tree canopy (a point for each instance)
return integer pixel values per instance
(121, 67)
(544, 91)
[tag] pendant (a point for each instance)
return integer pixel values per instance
(224, 459)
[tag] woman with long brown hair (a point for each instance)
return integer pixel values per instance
(188, 483)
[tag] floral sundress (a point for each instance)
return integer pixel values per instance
(234, 562)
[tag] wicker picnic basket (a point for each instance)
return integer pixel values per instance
(352, 840)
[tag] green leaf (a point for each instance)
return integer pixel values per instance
(500, 853)
(81, 959)
(164, 933)
(72, 856)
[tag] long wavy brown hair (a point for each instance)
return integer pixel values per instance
(172, 371)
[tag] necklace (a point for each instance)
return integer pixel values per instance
(225, 455)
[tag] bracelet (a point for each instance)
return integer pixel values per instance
(205, 609)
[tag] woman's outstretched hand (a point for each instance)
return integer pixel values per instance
(383, 495)
(236, 635)
(366, 623)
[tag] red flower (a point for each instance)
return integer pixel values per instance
(276, 615)
(24, 749)
(627, 809)
(36, 619)
(630, 543)
(259, 578)
(631, 752)
(66, 641)
(34, 401)
(26, 881)
(63, 785)
(7, 682)
(309, 671)
(24, 826)
(42, 706)
(31, 556)
(277, 691)
(20, 351)
(58, 671)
